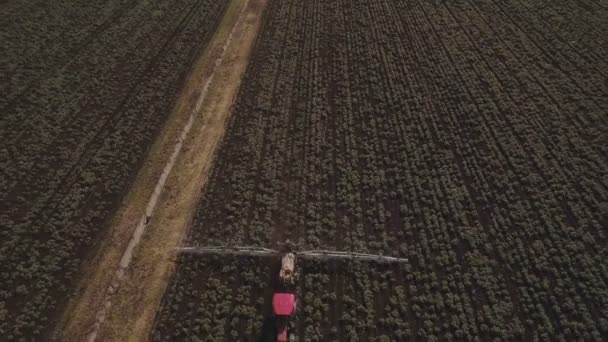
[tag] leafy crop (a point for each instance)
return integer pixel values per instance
(85, 90)
(468, 136)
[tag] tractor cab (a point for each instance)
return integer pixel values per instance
(283, 306)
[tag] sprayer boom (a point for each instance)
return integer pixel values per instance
(231, 250)
(325, 254)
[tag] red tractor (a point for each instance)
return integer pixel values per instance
(284, 303)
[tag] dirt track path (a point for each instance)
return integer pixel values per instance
(126, 280)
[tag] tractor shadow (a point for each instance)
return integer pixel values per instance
(269, 330)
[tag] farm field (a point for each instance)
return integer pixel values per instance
(86, 87)
(468, 136)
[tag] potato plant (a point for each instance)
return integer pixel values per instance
(86, 88)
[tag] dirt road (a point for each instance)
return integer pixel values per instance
(126, 280)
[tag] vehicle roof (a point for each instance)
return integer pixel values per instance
(283, 304)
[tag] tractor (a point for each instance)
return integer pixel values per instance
(284, 299)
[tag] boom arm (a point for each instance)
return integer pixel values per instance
(231, 250)
(325, 254)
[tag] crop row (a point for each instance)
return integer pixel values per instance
(81, 115)
(468, 136)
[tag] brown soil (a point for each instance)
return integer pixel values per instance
(136, 298)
